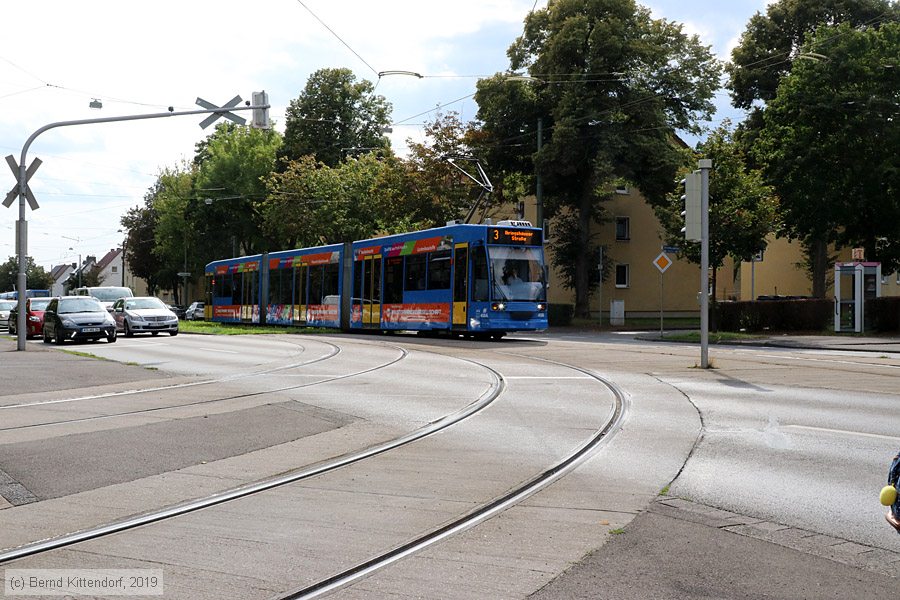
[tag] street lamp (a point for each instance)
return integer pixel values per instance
(124, 247)
(79, 266)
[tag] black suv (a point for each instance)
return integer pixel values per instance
(77, 318)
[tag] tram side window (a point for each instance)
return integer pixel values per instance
(480, 289)
(439, 270)
(315, 285)
(415, 272)
(393, 280)
(251, 287)
(359, 273)
(236, 288)
(300, 285)
(331, 283)
(279, 286)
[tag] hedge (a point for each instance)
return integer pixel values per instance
(560, 314)
(883, 314)
(807, 314)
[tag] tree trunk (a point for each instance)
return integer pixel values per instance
(818, 257)
(582, 275)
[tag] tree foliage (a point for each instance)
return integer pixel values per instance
(829, 138)
(228, 188)
(616, 84)
(311, 204)
(771, 43)
(742, 208)
(36, 278)
(334, 114)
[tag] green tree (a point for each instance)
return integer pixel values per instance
(829, 140)
(311, 204)
(140, 242)
(742, 208)
(172, 234)
(773, 45)
(36, 277)
(229, 187)
(438, 189)
(617, 83)
(772, 42)
(334, 114)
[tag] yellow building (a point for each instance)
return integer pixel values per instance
(634, 240)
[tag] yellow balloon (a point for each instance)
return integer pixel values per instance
(888, 495)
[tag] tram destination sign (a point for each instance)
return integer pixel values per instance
(513, 236)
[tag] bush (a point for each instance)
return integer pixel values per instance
(810, 314)
(883, 314)
(560, 314)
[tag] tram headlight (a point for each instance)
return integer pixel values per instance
(541, 306)
(498, 306)
(474, 323)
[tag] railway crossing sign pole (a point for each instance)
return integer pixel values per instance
(24, 193)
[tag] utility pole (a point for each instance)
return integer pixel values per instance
(538, 183)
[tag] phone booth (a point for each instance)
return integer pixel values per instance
(854, 283)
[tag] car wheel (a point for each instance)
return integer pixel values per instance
(128, 331)
(59, 339)
(154, 333)
(111, 338)
(11, 327)
(46, 338)
(173, 333)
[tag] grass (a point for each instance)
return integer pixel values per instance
(212, 328)
(714, 337)
(639, 323)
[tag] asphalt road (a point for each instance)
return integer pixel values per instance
(793, 443)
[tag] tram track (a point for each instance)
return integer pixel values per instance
(403, 354)
(245, 490)
(481, 513)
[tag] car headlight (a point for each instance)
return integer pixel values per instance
(34, 319)
(68, 323)
(110, 320)
(135, 317)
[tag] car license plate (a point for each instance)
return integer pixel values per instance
(90, 329)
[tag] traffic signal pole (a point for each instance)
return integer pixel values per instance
(705, 165)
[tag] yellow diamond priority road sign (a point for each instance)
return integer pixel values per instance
(662, 262)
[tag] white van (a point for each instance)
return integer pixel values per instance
(105, 294)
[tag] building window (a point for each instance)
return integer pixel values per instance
(623, 228)
(622, 278)
(114, 269)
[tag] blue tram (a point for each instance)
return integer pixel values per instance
(472, 280)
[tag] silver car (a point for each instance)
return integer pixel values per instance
(5, 307)
(144, 314)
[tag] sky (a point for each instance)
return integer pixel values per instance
(138, 57)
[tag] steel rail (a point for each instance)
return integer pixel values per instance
(482, 513)
(485, 399)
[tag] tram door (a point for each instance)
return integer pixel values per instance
(460, 285)
(370, 298)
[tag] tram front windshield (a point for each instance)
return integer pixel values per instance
(518, 274)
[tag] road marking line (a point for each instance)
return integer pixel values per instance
(541, 377)
(843, 432)
(217, 350)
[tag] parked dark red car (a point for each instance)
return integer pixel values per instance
(34, 317)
